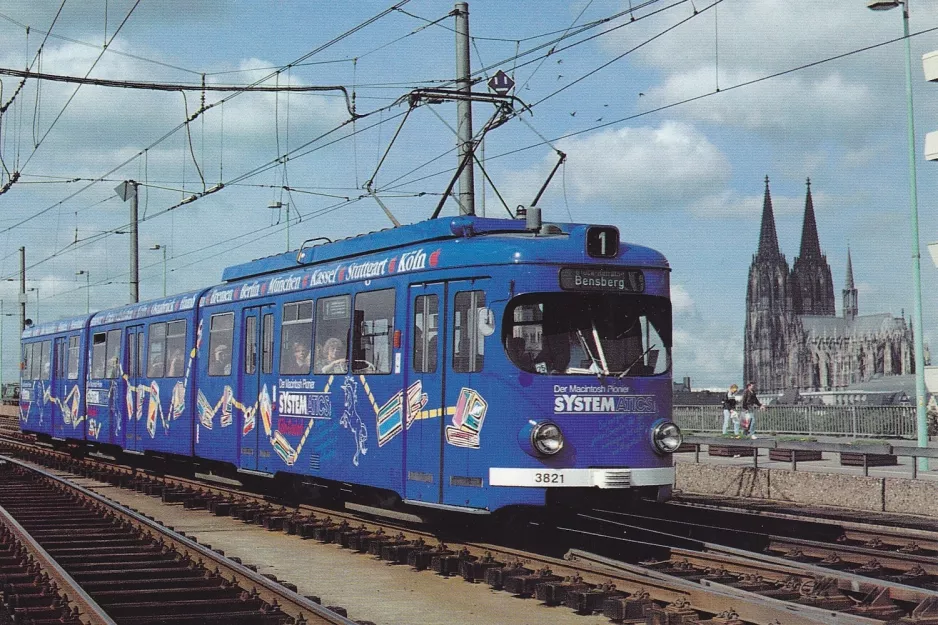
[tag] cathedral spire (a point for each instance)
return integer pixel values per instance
(848, 284)
(768, 239)
(851, 305)
(810, 245)
(813, 286)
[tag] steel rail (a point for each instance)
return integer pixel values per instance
(858, 555)
(87, 608)
(750, 606)
(764, 564)
(866, 529)
(291, 603)
(873, 540)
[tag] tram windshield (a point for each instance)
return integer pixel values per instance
(589, 334)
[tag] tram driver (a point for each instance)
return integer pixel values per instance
(330, 358)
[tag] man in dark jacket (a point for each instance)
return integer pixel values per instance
(750, 402)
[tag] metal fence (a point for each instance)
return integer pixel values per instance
(855, 421)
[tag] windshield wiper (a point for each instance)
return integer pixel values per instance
(599, 349)
(635, 362)
(586, 348)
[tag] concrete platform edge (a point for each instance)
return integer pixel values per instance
(876, 494)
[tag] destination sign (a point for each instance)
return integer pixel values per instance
(610, 280)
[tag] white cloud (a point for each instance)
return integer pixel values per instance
(766, 35)
(837, 107)
(729, 203)
(681, 300)
(642, 168)
(849, 105)
(711, 354)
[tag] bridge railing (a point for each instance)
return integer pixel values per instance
(853, 421)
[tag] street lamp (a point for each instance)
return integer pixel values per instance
(920, 418)
(87, 274)
(157, 246)
(277, 206)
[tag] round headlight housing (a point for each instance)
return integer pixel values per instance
(666, 437)
(546, 438)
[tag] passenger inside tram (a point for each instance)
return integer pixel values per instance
(331, 357)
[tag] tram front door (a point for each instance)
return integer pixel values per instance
(425, 358)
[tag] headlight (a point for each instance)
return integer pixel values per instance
(547, 438)
(667, 437)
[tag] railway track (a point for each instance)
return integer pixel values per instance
(128, 569)
(908, 556)
(697, 587)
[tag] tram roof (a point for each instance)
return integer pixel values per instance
(152, 308)
(390, 238)
(54, 327)
(462, 227)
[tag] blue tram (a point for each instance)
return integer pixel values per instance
(467, 364)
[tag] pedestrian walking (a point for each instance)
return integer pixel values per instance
(750, 402)
(729, 411)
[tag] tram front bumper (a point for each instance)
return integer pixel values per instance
(600, 478)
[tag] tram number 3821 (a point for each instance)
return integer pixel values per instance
(548, 477)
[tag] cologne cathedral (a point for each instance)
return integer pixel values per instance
(794, 338)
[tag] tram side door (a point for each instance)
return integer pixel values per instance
(256, 392)
(59, 385)
(135, 397)
(424, 422)
(469, 330)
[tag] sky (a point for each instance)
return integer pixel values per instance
(671, 114)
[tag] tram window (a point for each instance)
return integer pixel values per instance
(296, 335)
(332, 325)
(59, 361)
(374, 326)
(46, 360)
(131, 354)
(580, 334)
(140, 348)
(526, 339)
(175, 348)
(35, 361)
(73, 357)
(98, 355)
(25, 373)
(113, 354)
(250, 345)
(468, 342)
(28, 361)
(156, 357)
(267, 344)
(31, 359)
(426, 327)
(219, 344)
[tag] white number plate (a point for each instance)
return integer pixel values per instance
(540, 477)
